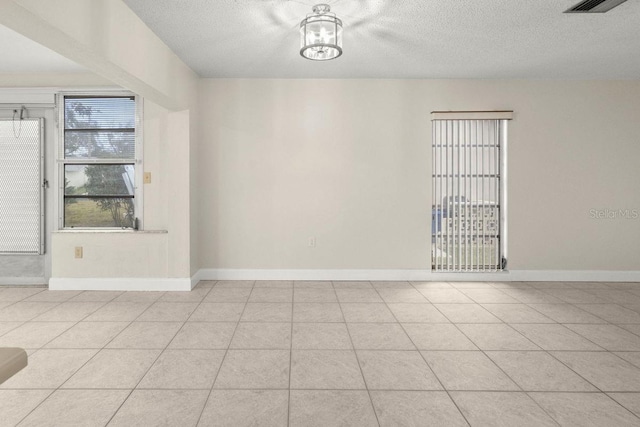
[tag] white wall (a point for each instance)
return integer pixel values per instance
(108, 39)
(348, 162)
(245, 171)
(38, 80)
(194, 190)
(166, 209)
(128, 254)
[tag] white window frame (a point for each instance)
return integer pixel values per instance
(138, 196)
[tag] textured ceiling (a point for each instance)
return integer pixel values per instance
(402, 38)
(18, 54)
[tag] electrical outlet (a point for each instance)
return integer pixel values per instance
(78, 252)
(312, 242)
(147, 178)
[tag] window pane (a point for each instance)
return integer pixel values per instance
(99, 180)
(106, 212)
(99, 113)
(102, 128)
(91, 144)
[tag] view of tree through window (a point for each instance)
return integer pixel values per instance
(99, 161)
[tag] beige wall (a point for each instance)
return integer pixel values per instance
(348, 162)
(110, 254)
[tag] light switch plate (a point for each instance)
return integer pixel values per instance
(147, 177)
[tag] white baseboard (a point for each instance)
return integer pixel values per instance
(119, 284)
(186, 284)
(574, 276)
(196, 278)
(8, 281)
(268, 274)
(420, 275)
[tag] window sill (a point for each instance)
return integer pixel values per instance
(110, 231)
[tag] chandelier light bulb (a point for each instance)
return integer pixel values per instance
(321, 34)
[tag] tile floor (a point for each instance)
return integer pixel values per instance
(278, 353)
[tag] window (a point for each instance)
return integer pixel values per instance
(468, 210)
(99, 153)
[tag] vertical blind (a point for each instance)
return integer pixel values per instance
(21, 191)
(467, 179)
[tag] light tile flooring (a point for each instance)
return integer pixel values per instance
(324, 354)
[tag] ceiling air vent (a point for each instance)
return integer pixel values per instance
(594, 6)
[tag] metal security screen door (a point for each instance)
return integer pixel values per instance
(468, 204)
(21, 190)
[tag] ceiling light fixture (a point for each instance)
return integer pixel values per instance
(321, 34)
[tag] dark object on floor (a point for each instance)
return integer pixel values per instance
(12, 360)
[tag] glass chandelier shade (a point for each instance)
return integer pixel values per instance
(321, 34)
